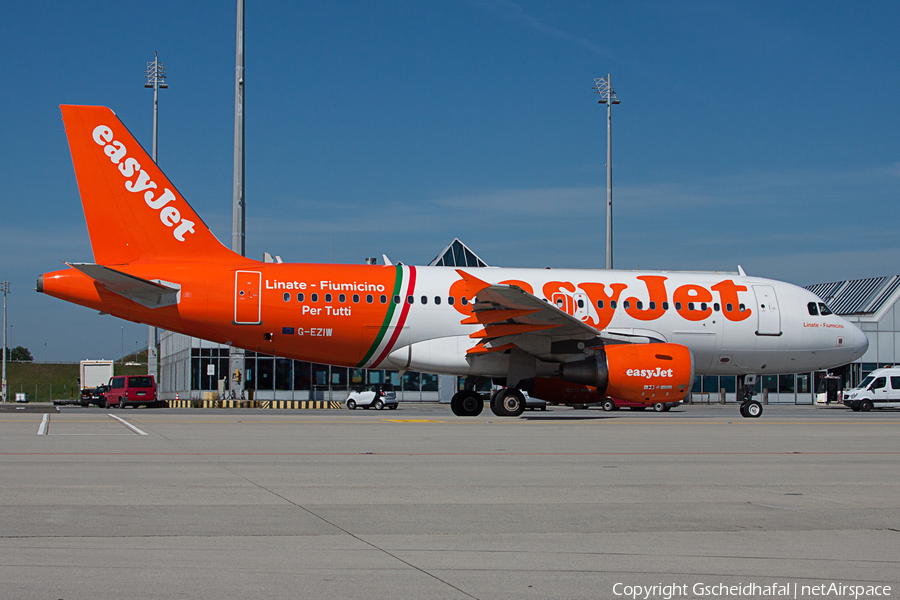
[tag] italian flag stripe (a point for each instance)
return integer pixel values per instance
(398, 282)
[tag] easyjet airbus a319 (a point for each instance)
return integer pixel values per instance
(568, 336)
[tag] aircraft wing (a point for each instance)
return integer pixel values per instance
(511, 317)
(147, 293)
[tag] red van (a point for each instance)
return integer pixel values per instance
(131, 390)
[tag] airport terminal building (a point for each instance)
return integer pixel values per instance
(191, 367)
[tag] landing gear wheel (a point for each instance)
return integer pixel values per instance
(865, 405)
(608, 405)
(379, 405)
(466, 404)
(659, 407)
(751, 409)
(509, 403)
(351, 404)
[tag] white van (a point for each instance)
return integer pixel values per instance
(880, 389)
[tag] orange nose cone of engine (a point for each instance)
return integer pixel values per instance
(649, 372)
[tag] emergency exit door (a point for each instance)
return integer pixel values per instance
(247, 297)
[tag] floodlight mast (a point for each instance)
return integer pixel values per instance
(156, 79)
(608, 97)
(236, 363)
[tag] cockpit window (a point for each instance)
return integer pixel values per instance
(824, 310)
(813, 310)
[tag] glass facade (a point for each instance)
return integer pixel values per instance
(284, 377)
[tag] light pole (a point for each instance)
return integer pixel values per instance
(5, 287)
(123, 346)
(238, 207)
(156, 79)
(608, 97)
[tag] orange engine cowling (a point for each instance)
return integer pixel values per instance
(639, 372)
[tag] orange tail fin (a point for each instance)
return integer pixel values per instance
(132, 210)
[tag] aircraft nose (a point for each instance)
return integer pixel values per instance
(859, 343)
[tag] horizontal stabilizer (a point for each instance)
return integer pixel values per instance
(152, 294)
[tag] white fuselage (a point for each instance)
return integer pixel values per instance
(775, 332)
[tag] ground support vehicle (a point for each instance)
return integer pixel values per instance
(95, 395)
(377, 396)
(617, 403)
(880, 389)
(131, 390)
(93, 376)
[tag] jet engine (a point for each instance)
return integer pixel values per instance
(639, 372)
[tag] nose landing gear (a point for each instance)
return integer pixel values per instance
(750, 408)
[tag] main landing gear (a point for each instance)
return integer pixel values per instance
(467, 403)
(750, 408)
(508, 403)
(505, 402)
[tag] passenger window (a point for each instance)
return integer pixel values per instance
(287, 297)
(729, 307)
(879, 383)
(118, 383)
(451, 300)
(424, 299)
(327, 297)
(640, 305)
(665, 306)
(355, 298)
(559, 303)
(299, 297)
(410, 299)
(690, 306)
(383, 299)
(342, 298)
(313, 297)
(437, 299)
(652, 306)
(580, 303)
(612, 303)
(626, 305)
(741, 308)
(600, 304)
(824, 310)
(716, 306)
(703, 306)
(370, 298)
(463, 301)
(895, 383)
(678, 306)
(813, 310)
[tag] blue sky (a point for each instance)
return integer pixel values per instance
(762, 134)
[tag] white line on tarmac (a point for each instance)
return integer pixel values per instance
(128, 425)
(42, 430)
